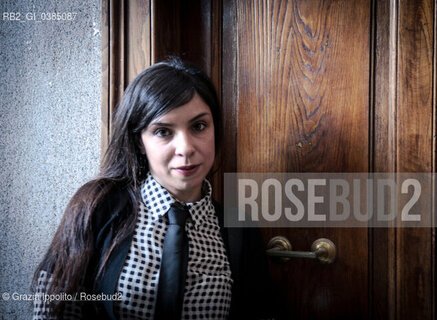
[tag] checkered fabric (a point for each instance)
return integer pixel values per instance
(208, 284)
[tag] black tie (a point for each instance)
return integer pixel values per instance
(173, 266)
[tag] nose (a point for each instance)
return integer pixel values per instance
(184, 145)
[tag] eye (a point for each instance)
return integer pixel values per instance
(162, 132)
(199, 126)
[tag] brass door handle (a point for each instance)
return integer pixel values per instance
(323, 250)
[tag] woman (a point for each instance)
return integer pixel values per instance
(114, 241)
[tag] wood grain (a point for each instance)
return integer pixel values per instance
(414, 152)
(302, 89)
(165, 29)
(384, 95)
(404, 125)
(117, 69)
(190, 30)
(138, 45)
(229, 88)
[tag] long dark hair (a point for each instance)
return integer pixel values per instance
(154, 92)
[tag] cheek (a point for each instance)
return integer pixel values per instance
(153, 152)
(158, 155)
(209, 148)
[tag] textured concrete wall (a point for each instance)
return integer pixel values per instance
(49, 129)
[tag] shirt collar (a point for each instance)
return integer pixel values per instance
(158, 200)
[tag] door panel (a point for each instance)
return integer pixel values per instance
(303, 107)
(303, 77)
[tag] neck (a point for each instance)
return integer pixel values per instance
(187, 196)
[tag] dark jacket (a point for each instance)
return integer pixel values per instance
(252, 291)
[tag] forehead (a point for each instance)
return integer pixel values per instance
(186, 112)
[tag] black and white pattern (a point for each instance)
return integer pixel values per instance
(208, 283)
(41, 305)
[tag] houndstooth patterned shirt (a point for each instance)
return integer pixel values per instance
(208, 282)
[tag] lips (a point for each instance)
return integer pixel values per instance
(187, 170)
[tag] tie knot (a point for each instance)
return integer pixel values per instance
(178, 214)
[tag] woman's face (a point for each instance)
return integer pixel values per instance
(180, 148)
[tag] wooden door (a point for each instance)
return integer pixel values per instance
(310, 86)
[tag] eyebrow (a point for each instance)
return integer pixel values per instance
(165, 124)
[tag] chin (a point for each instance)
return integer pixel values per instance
(190, 185)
